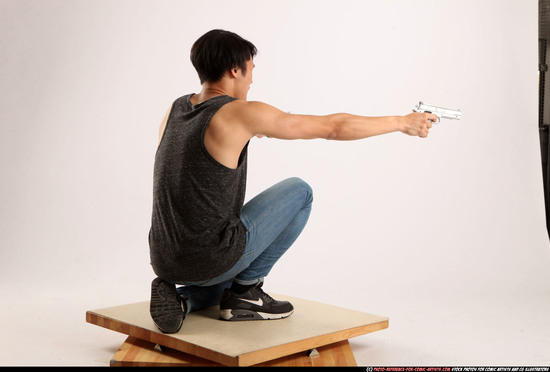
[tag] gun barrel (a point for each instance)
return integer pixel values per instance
(439, 111)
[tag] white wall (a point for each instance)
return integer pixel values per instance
(84, 85)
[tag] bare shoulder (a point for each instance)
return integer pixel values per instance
(227, 134)
(261, 119)
(240, 107)
(250, 113)
(230, 124)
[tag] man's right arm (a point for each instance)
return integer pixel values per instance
(261, 119)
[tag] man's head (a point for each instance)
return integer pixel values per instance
(218, 52)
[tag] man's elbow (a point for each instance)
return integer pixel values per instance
(335, 130)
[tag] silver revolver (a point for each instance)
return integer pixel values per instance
(439, 111)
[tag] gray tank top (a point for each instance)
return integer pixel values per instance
(196, 233)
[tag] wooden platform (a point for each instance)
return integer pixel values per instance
(139, 353)
(312, 326)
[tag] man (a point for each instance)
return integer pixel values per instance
(202, 237)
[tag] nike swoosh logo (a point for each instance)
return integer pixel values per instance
(254, 302)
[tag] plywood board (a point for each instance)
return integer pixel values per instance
(244, 343)
(140, 353)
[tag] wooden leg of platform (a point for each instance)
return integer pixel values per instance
(135, 352)
(336, 354)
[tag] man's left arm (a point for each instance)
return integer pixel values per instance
(262, 119)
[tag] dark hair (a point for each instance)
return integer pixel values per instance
(217, 52)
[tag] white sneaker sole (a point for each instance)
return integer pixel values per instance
(232, 314)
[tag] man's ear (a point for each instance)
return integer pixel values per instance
(233, 72)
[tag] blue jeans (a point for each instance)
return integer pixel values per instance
(273, 220)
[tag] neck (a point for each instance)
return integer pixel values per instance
(210, 90)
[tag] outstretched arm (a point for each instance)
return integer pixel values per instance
(261, 119)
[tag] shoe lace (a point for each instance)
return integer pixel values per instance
(266, 297)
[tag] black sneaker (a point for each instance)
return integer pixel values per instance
(167, 308)
(254, 304)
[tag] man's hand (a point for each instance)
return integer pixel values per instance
(418, 124)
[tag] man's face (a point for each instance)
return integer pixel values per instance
(244, 80)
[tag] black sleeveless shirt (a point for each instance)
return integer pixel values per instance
(196, 233)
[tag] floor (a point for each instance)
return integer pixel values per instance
(44, 325)
(462, 330)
